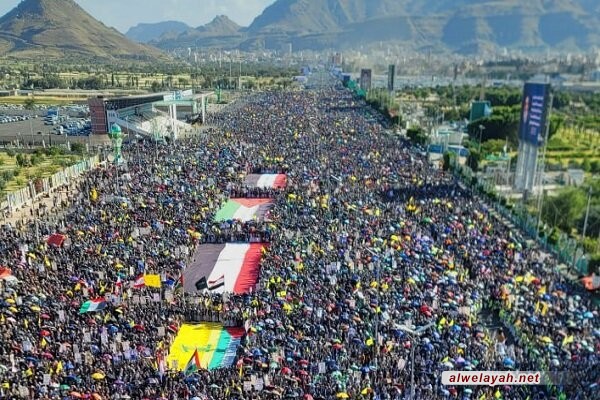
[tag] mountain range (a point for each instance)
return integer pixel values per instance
(61, 29)
(145, 33)
(220, 32)
(52, 29)
(463, 26)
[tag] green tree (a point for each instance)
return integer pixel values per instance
(493, 146)
(564, 209)
(21, 160)
(586, 165)
(29, 103)
(78, 148)
(448, 161)
(183, 82)
(557, 121)
(156, 87)
(35, 159)
(417, 135)
(473, 160)
(593, 227)
(502, 124)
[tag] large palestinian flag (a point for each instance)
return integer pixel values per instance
(244, 209)
(266, 181)
(231, 267)
(215, 345)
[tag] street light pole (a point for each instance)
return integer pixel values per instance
(377, 273)
(31, 130)
(481, 129)
(413, 334)
(587, 213)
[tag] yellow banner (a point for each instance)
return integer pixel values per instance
(152, 281)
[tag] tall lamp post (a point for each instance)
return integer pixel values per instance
(116, 137)
(481, 129)
(377, 273)
(587, 212)
(413, 334)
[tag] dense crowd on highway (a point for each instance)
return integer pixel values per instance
(373, 255)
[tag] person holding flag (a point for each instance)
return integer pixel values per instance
(193, 365)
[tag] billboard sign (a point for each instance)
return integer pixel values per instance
(533, 112)
(365, 79)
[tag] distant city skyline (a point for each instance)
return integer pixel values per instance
(122, 15)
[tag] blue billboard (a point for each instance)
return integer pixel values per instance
(534, 112)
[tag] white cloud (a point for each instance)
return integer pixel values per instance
(122, 14)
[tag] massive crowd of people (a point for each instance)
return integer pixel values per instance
(366, 240)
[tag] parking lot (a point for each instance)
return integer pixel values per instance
(34, 131)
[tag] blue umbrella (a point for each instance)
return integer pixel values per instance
(256, 352)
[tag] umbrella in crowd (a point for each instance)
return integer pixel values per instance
(366, 244)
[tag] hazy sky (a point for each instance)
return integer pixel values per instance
(122, 14)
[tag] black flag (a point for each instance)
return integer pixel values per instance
(201, 284)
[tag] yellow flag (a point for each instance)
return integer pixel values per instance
(544, 308)
(568, 340)
(152, 280)
(59, 367)
(542, 290)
